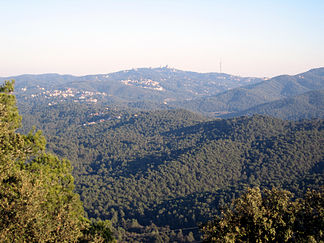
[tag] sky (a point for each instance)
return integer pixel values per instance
(248, 38)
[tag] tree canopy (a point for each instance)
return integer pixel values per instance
(37, 198)
(269, 216)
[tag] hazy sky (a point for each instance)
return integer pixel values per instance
(251, 38)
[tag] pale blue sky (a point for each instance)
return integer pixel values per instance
(252, 38)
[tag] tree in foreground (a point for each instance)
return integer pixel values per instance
(270, 216)
(37, 199)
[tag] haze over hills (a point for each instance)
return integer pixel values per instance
(243, 98)
(212, 94)
(304, 106)
(144, 84)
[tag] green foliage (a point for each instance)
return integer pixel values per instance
(270, 216)
(309, 223)
(62, 206)
(37, 198)
(9, 111)
(98, 231)
(254, 218)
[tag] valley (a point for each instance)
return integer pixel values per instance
(150, 165)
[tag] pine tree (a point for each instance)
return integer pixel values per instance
(37, 198)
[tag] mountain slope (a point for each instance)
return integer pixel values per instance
(214, 94)
(170, 167)
(143, 168)
(305, 106)
(243, 98)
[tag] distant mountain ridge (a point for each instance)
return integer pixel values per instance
(243, 98)
(212, 94)
(143, 84)
(305, 106)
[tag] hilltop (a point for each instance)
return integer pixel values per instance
(152, 85)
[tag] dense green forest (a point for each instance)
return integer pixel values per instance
(171, 170)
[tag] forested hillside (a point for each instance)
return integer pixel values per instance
(174, 168)
(147, 169)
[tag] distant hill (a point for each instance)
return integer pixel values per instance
(305, 106)
(212, 94)
(243, 98)
(143, 85)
